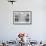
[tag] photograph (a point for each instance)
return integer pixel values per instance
(22, 17)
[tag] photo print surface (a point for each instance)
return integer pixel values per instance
(22, 17)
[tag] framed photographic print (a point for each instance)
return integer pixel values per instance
(22, 17)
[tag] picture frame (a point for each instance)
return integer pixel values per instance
(22, 17)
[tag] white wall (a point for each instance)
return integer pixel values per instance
(9, 31)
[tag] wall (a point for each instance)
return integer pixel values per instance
(9, 31)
